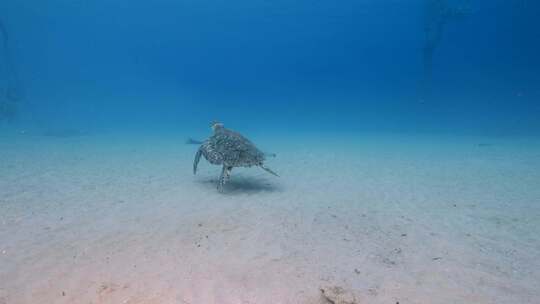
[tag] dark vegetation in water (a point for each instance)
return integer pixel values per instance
(8, 109)
(10, 96)
(437, 14)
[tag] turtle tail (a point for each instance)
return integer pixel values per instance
(197, 159)
(268, 170)
(267, 154)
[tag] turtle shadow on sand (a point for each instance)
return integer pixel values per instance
(242, 184)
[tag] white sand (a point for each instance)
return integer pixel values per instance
(108, 219)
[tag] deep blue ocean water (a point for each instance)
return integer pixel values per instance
(287, 66)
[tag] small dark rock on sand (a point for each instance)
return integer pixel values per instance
(338, 295)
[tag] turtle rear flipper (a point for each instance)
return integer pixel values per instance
(268, 170)
(197, 159)
(224, 177)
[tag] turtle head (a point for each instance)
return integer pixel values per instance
(215, 125)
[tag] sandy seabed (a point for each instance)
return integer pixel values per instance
(389, 218)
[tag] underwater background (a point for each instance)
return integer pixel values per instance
(406, 137)
(301, 66)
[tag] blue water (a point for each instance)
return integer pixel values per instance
(407, 136)
(301, 66)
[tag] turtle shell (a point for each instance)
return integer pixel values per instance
(232, 149)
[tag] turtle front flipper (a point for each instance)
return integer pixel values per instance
(197, 159)
(224, 177)
(268, 170)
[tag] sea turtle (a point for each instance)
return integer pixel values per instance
(229, 149)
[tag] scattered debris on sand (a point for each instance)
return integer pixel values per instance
(338, 295)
